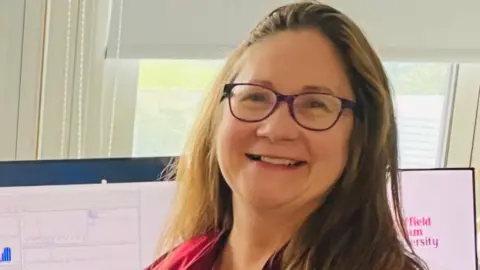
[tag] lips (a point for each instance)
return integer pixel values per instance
(276, 160)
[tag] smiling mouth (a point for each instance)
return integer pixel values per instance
(276, 161)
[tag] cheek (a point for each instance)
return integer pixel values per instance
(231, 133)
(232, 143)
(330, 150)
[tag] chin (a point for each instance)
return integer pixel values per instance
(267, 192)
(267, 200)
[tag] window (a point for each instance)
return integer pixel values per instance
(118, 104)
(422, 93)
(115, 103)
(168, 96)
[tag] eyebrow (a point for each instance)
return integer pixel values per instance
(305, 88)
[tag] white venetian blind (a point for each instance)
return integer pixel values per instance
(187, 29)
(426, 30)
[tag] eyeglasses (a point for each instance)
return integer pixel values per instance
(311, 110)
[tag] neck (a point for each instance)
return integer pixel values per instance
(257, 234)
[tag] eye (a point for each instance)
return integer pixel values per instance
(317, 104)
(256, 97)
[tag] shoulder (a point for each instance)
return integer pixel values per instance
(196, 250)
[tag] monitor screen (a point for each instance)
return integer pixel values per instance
(78, 227)
(439, 215)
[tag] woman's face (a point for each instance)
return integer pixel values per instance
(290, 63)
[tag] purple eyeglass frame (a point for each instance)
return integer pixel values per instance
(289, 99)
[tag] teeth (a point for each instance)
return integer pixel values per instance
(278, 161)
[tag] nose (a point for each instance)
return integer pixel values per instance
(280, 126)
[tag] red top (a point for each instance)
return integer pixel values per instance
(200, 253)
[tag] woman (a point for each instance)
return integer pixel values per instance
(288, 164)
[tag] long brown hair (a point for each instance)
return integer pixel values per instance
(354, 228)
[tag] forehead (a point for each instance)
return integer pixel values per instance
(291, 60)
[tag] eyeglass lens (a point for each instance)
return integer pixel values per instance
(253, 103)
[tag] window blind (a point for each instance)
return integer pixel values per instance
(408, 30)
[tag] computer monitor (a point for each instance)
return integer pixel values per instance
(439, 212)
(78, 227)
(82, 171)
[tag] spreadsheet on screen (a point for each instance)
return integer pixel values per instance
(101, 226)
